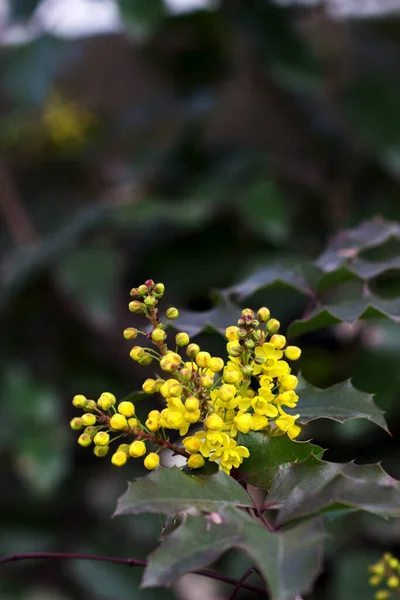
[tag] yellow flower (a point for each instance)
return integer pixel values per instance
(192, 444)
(259, 422)
(231, 332)
(137, 448)
(214, 422)
(288, 398)
(127, 409)
(393, 582)
(119, 458)
(382, 595)
(151, 461)
(192, 403)
(263, 407)
(270, 356)
(171, 388)
(286, 423)
(292, 352)
(196, 461)
(226, 392)
(243, 422)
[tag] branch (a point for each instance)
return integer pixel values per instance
(130, 562)
(241, 583)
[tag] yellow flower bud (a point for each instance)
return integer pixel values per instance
(126, 408)
(393, 582)
(216, 364)
(273, 325)
(101, 451)
(106, 401)
(150, 302)
(123, 448)
(206, 381)
(247, 314)
(152, 461)
(182, 339)
(88, 419)
(153, 424)
(91, 405)
(118, 422)
(192, 350)
(119, 458)
(90, 430)
(79, 401)
(159, 289)
(378, 569)
(142, 290)
(145, 359)
(292, 352)
(263, 314)
(137, 449)
(375, 580)
(84, 440)
(196, 461)
(101, 439)
(243, 422)
(172, 313)
(192, 444)
(136, 307)
(130, 333)
(393, 563)
(203, 359)
(76, 424)
(192, 403)
(136, 352)
(289, 382)
(226, 392)
(170, 362)
(279, 341)
(382, 595)
(185, 374)
(149, 386)
(231, 375)
(214, 422)
(133, 423)
(158, 335)
(231, 332)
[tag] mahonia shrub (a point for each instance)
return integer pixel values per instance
(214, 398)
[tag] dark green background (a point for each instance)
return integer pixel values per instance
(221, 141)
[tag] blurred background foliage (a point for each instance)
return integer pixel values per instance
(192, 147)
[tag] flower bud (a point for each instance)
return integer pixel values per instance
(243, 422)
(151, 461)
(289, 382)
(79, 401)
(279, 341)
(118, 422)
(263, 314)
(123, 448)
(273, 325)
(393, 582)
(91, 430)
(242, 334)
(172, 313)
(234, 351)
(214, 422)
(106, 401)
(192, 416)
(101, 451)
(182, 339)
(255, 323)
(101, 439)
(226, 392)
(149, 386)
(249, 344)
(231, 332)
(192, 350)
(88, 419)
(247, 314)
(134, 293)
(185, 374)
(203, 359)
(127, 409)
(292, 352)
(91, 405)
(206, 381)
(241, 322)
(133, 423)
(196, 461)
(153, 424)
(256, 335)
(136, 352)
(150, 302)
(158, 335)
(136, 307)
(259, 360)
(192, 403)
(137, 448)
(130, 333)
(192, 444)
(216, 364)
(149, 283)
(143, 290)
(145, 360)
(159, 290)
(84, 440)
(231, 375)
(247, 370)
(76, 424)
(119, 459)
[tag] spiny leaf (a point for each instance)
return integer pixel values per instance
(289, 560)
(351, 311)
(169, 490)
(347, 244)
(216, 319)
(356, 268)
(339, 402)
(268, 454)
(267, 277)
(313, 486)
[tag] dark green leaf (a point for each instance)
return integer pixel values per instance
(216, 319)
(339, 402)
(365, 308)
(267, 277)
(169, 490)
(289, 561)
(313, 486)
(268, 454)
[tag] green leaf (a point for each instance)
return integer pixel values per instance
(289, 561)
(169, 490)
(364, 308)
(313, 486)
(216, 319)
(267, 277)
(340, 402)
(268, 454)
(348, 244)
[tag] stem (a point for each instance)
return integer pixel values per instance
(130, 562)
(241, 581)
(263, 518)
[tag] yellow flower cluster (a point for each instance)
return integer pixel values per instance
(387, 572)
(218, 399)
